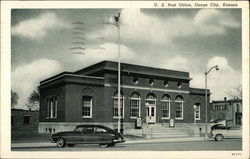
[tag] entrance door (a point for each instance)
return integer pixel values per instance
(151, 114)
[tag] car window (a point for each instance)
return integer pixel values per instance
(100, 130)
(234, 128)
(88, 130)
(79, 129)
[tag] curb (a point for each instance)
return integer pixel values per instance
(164, 140)
(144, 141)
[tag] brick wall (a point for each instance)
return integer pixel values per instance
(24, 122)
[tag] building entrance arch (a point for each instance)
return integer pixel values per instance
(151, 109)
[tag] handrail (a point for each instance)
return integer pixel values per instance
(144, 122)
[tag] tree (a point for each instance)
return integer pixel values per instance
(236, 92)
(34, 100)
(14, 99)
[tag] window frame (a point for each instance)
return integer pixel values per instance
(122, 105)
(198, 105)
(169, 105)
(179, 84)
(139, 105)
(182, 107)
(51, 108)
(28, 118)
(91, 106)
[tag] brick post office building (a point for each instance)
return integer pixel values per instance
(89, 96)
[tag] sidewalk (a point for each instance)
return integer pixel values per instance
(161, 140)
(128, 141)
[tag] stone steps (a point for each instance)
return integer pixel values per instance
(168, 135)
(162, 131)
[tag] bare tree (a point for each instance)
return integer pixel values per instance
(33, 100)
(236, 92)
(14, 99)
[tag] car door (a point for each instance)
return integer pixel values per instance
(76, 135)
(88, 135)
(102, 135)
(235, 132)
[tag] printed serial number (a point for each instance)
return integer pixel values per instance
(236, 154)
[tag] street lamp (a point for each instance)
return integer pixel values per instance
(206, 73)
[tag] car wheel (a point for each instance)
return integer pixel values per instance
(219, 137)
(60, 142)
(71, 145)
(104, 145)
(112, 144)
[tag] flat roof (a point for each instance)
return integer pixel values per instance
(67, 74)
(88, 72)
(132, 68)
(227, 101)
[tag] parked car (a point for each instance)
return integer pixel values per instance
(218, 126)
(227, 133)
(88, 134)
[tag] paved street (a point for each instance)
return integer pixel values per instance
(226, 145)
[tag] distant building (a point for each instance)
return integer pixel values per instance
(89, 96)
(24, 122)
(228, 110)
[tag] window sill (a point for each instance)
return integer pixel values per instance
(116, 117)
(51, 118)
(179, 119)
(86, 117)
(165, 118)
(133, 117)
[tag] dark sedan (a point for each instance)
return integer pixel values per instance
(88, 134)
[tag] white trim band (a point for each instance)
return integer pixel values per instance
(147, 88)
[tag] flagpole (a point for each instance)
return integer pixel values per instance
(117, 24)
(119, 74)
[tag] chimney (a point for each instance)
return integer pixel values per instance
(225, 98)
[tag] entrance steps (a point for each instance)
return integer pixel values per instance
(162, 131)
(159, 130)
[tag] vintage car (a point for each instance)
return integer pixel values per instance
(225, 133)
(218, 126)
(88, 134)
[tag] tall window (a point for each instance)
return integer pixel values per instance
(87, 106)
(165, 106)
(115, 108)
(197, 111)
(135, 104)
(52, 107)
(179, 107)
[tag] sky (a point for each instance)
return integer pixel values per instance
(43, 43)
